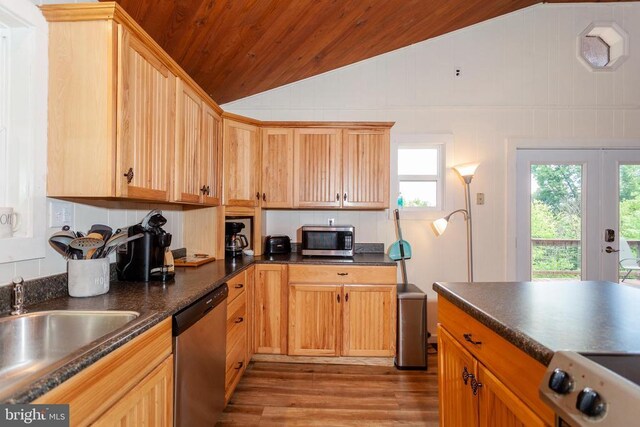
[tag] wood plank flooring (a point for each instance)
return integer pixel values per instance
(293, 394)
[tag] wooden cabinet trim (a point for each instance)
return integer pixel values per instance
(98, 387)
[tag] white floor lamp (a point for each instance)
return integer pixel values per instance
(466, 172)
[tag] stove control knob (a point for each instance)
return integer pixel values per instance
(590, 403)
(560, 382)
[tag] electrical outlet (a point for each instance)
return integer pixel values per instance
(479, 198)
(331, 221)
(60, 214)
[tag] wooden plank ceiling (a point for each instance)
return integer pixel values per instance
(237, 48)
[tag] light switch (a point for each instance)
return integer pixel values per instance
(60, 214)
(479, 198)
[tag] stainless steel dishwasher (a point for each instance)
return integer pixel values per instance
(199, 349)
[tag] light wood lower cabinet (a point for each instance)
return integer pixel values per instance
(237, 359)
(270, 309)
(315, 314)
(330, 318)
(122, 382)
(149, 403)
(504, 378)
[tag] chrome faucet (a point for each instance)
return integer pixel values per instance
(17, 296)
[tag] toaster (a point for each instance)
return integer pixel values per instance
(277, 245)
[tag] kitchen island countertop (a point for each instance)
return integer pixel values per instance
(155, 302)
(543, 317)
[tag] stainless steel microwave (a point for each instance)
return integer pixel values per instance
(328, 240)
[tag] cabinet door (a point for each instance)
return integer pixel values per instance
(188, 144)
(369, 320)
(270, 305)
(211, 165)
(277, 168)
(456, 368)
(317, 168)
(146, 99)
(365, 168)
(149, 403)
(314, 320)
(499, 406)
(241, 164)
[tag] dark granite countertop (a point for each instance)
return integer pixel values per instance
(543, 317)
(155, 302)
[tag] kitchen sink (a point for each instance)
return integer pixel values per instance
(37, 343)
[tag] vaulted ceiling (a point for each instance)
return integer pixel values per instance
(237, 48)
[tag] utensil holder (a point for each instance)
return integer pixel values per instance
(88, 277)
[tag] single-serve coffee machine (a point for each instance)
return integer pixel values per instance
(144, 259)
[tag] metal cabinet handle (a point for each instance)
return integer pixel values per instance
(239, 320)
(208, 190)
(469, 338)
(346, 297)
(203, 190)
(239, 286)
(129, 175)
(264, 197)
(258, 195)
(338, 197)
(466, 375)
(475, 385)
(343, 274)
(344, 197)
(240, 365)
(338, 297)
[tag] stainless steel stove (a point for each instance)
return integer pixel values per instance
(591, 389)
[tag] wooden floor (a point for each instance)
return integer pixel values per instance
(275, 394)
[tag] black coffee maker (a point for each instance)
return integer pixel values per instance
(234, 242)
(143, 259)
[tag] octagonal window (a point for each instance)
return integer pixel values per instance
(603, 46)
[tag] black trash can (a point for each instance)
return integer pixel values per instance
(411, 348)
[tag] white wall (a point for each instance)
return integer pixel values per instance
(116, 215)
(520, 77)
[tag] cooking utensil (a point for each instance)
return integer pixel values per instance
(86, 245)
(117, 240)
(92, 253)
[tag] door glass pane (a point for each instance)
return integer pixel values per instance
(556, 222)
(629, 223)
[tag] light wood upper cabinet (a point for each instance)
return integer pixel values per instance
(270, 308)
(241, 164)
(365, 168)
(369, 320)
(277, 168)
(211, 157)
(146, 94)
(188, 144)
(314, 320)
(197, 149)
(317, 169)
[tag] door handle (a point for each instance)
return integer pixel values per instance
(610, 250)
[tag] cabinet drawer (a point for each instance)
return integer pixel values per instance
(517, 370)
(342, 274)
(235, 366)
(236, 322)
(236, 284)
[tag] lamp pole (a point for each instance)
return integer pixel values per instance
(467, 181)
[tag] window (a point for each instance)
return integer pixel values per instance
(603, 46)
(420, 163)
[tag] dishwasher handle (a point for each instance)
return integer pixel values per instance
(196, 311)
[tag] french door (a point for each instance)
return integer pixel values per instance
(578, 214)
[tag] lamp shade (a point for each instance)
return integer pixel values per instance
(466, 170)
(439, 225)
